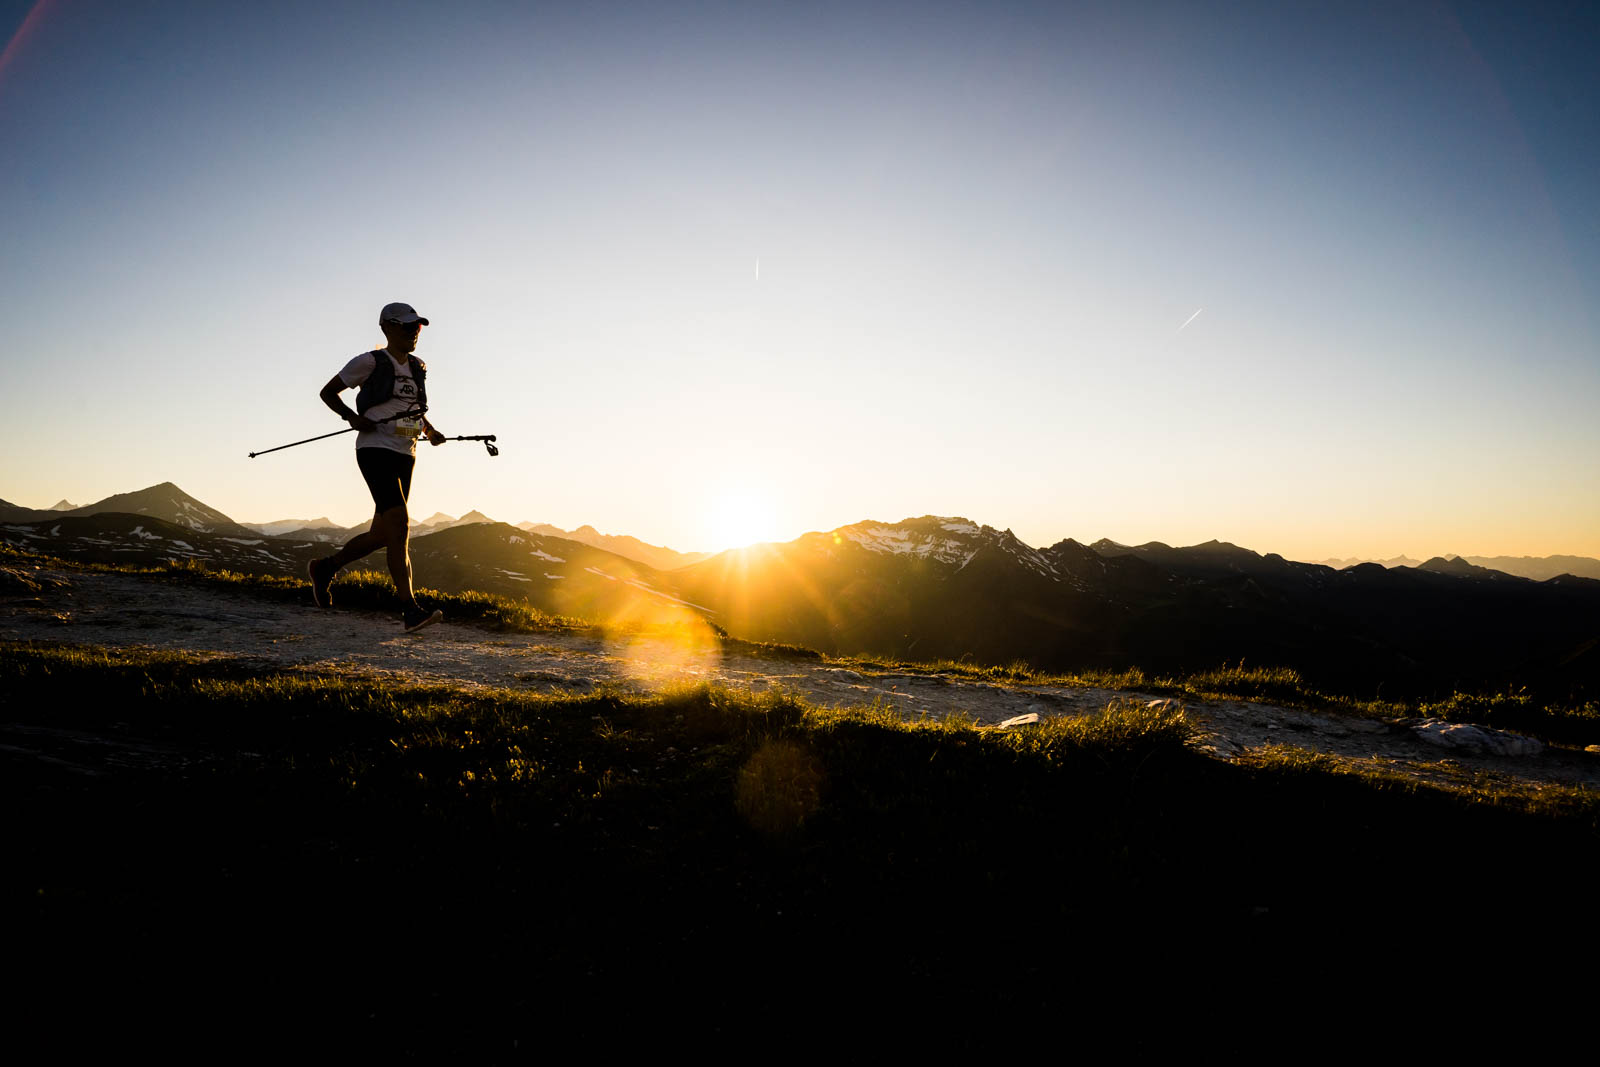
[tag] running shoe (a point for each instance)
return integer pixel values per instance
(415, 619)
(321, 579)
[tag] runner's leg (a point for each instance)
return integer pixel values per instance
(360, 546)
(397, 539)
(388, 477)
(399, 544)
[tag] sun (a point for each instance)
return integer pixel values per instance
(740, 516)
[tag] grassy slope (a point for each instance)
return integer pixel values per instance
(398, 857)
(1571, 723)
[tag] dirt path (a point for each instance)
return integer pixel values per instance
(130, 611)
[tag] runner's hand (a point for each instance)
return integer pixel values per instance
(361, 422)
(435, 437)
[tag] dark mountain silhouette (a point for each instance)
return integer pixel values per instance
(440, 521)
(472, 552)
(1461, 568)
(1341, 564)
(928, 587)
(286, 527)
(947, 588)
(554, 574)
(10, 512)
(168, 503)
(656, 556)
(936, 587)
(329, 535)
(653, 556)
(120, 537)
(165, 501)
(1540, 568)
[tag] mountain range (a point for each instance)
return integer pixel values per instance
(165, 501)
(940, 587)
(168, 500)
(662, 559)
(1538, 568)
(656, 556)
(554, 574)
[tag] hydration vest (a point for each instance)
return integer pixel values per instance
(379, 385)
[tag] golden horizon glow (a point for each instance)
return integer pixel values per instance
(741, 516)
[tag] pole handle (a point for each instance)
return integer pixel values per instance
(486, 438)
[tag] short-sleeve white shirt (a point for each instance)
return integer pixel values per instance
(356, 372)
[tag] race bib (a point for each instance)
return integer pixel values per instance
(410, 426)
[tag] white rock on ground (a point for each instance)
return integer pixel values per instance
(1476, 738)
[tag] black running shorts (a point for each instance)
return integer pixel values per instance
(388, 475)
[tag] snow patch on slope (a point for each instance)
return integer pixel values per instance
(898, 541)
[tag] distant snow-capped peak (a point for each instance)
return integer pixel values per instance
(945, 539)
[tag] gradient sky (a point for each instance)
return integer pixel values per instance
(732, 270)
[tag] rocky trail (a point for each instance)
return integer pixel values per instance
(134, 611)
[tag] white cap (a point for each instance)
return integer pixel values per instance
(404, 314)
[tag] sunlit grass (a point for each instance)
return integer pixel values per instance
(1541, 799)
(773, 746)
(1568, 722)
(769, 748)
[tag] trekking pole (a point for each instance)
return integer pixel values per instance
(307, 441)
(349, 429)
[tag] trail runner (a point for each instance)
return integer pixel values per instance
(392, 396)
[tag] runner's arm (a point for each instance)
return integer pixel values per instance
(330, 396)
(434, 436)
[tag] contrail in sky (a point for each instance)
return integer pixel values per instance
(23, 31)
(1191, 318)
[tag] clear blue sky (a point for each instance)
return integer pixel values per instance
(720, 271)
